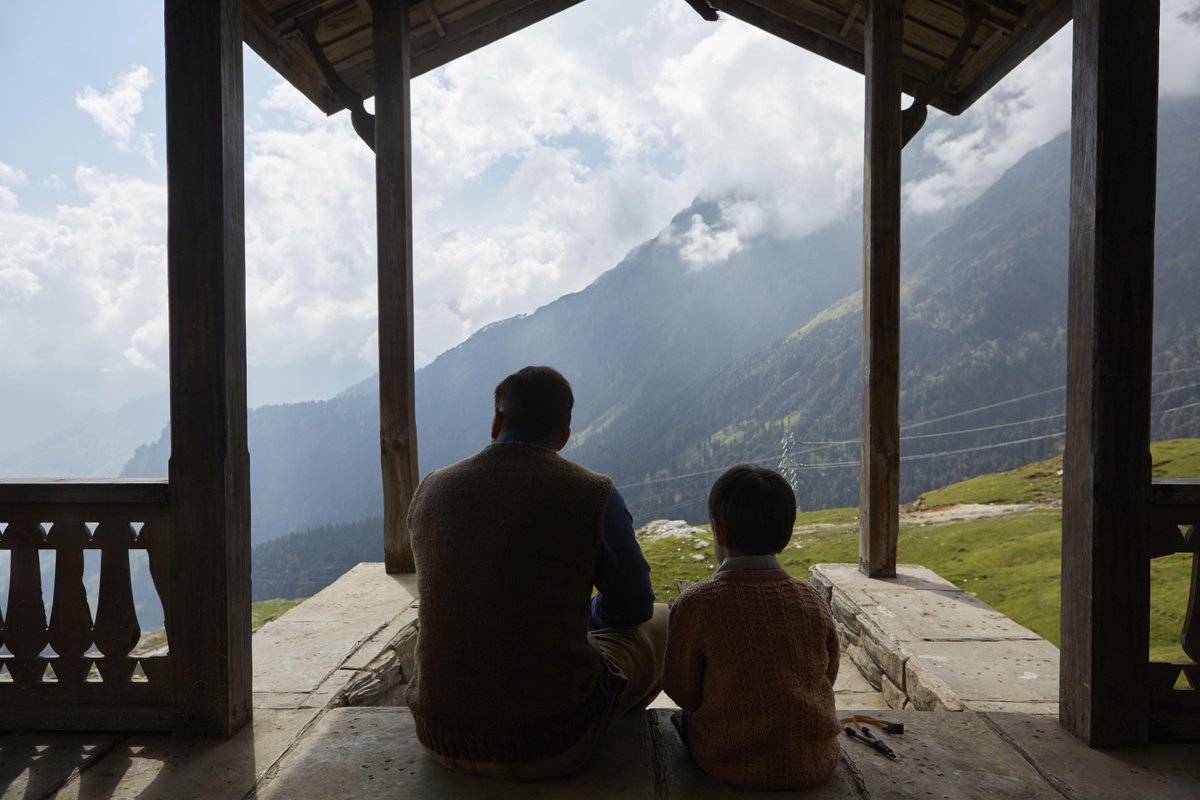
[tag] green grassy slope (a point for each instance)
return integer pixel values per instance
(1011, 561)
(260, 614)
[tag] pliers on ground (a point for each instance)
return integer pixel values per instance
(865, 736)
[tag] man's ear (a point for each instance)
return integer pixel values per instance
(562, 440)
(497, 424)
(718, 533)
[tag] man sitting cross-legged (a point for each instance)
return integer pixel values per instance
(520, 671)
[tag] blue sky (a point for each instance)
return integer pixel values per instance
(539, 162)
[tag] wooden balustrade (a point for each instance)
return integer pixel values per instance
(73, 672)
(1175, 518)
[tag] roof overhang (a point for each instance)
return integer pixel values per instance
(941, 47)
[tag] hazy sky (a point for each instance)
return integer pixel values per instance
(539, 162)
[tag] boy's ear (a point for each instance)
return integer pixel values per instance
(718, 530)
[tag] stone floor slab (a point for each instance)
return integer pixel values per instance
(1160, 771)
(849, 580)
(993, 671)
(157, 767)
(370, 753)
(365, 592)
(32, 764)
(950, 756)
(297, 656)
(681, 778)
(939, 616)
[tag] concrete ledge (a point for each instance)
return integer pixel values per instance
(928, 645)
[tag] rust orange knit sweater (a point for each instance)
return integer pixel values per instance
(752, 655)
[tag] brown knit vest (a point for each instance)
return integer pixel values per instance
(506, 544)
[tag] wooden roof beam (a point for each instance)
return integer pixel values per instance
(481, 29)
(913, 117)
(362, 120)
(431, 12)
(1042, 19)
(851, 18)
(822, 37)
(704, 9)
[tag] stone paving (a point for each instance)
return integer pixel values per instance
(353, 642)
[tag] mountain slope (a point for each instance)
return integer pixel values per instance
(983, 320)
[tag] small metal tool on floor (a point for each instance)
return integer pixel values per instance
(865, 736)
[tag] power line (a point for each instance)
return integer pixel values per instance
(982, 408)
(1178, 408)
(822, 445)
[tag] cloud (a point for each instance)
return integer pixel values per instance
(116, 110)
(9, 177)
(1028, 108)
(78, 283)
(1179, 49)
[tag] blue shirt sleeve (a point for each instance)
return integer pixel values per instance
(624, 596)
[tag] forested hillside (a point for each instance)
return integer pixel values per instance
(303, 563)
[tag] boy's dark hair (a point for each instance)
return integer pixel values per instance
(536, 400)
(756, 507)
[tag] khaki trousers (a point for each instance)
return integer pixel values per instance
(636, 653)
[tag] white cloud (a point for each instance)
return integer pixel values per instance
(116, 111)
(9, 177)
(82, 280)
(1028, 108)
(1179, 49)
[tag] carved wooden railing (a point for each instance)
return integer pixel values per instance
(65, 670)
(1175, 522)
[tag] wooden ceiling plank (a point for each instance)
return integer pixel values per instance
(843, 53)
(431, 12)
(363, 122)
(851, 18)
(285, 14)
(260, 35)
(949, 12)
(457, 44)
(1042, 20)
(817, 34)
(351, 60)
(1014, 8)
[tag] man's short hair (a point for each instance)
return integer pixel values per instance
(756, 507)
(536, 400)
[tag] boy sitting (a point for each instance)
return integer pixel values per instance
(752, 654)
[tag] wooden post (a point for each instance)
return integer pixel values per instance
(879, 493)
(209, 489)
(393, 190)
(1104, 667)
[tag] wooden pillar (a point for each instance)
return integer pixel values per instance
(209, 489)
(1106, 484)
(879, 493)
(393, 189)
